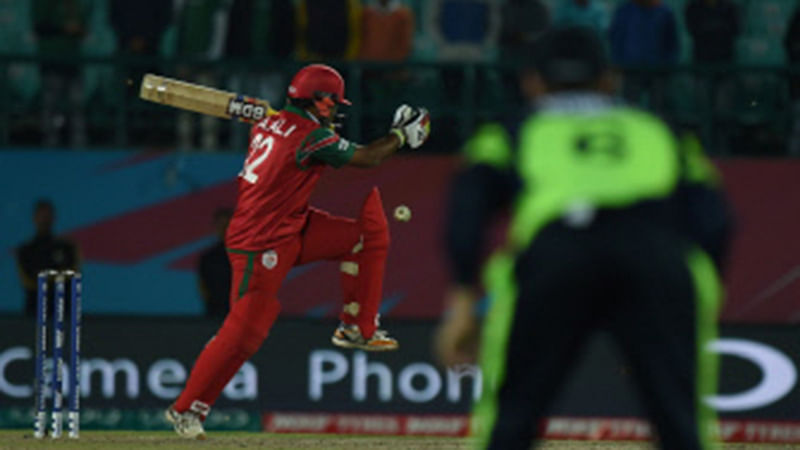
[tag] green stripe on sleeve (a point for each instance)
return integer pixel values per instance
(708, 294)
(502, 287)
(324, 146)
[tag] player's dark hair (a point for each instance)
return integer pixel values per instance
(303, 103)
(560, 87)
(570, 58)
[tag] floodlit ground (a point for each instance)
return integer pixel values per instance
(22, 439)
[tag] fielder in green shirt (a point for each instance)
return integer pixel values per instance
(616, 227)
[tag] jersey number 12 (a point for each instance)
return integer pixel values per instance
(260, 144)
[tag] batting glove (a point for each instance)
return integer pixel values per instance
(401, 115)
(411, 125)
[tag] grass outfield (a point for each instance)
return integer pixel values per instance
(22, 439)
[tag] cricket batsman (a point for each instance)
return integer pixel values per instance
(274, 229)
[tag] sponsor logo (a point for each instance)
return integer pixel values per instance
(779, 375)
(571, 428)
(417, 382)
(269, 259)
(240, 107)
(425, 425)
(164, 378)
(420, 382)
(360, 378)
(623, 429)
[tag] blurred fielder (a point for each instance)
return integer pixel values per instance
(614, 227)
(274, 229)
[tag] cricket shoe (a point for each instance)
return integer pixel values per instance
(349, 336)
(188, 424)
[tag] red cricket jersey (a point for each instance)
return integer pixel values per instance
(288, 153)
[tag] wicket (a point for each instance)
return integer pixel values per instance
(59, 279)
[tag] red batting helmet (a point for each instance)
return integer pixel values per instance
(316, 79)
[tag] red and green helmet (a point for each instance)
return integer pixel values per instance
(317, 82)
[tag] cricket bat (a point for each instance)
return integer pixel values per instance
(203, 99)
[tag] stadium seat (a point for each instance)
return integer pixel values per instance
(16, 37)
(98, 79)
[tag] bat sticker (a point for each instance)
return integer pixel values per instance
(246, 108)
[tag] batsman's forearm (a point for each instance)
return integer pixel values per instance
(377, 151)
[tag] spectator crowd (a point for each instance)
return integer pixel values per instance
(639, 33)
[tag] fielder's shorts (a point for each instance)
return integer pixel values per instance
(656, 294)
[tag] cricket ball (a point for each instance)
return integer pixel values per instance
(402, 213)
